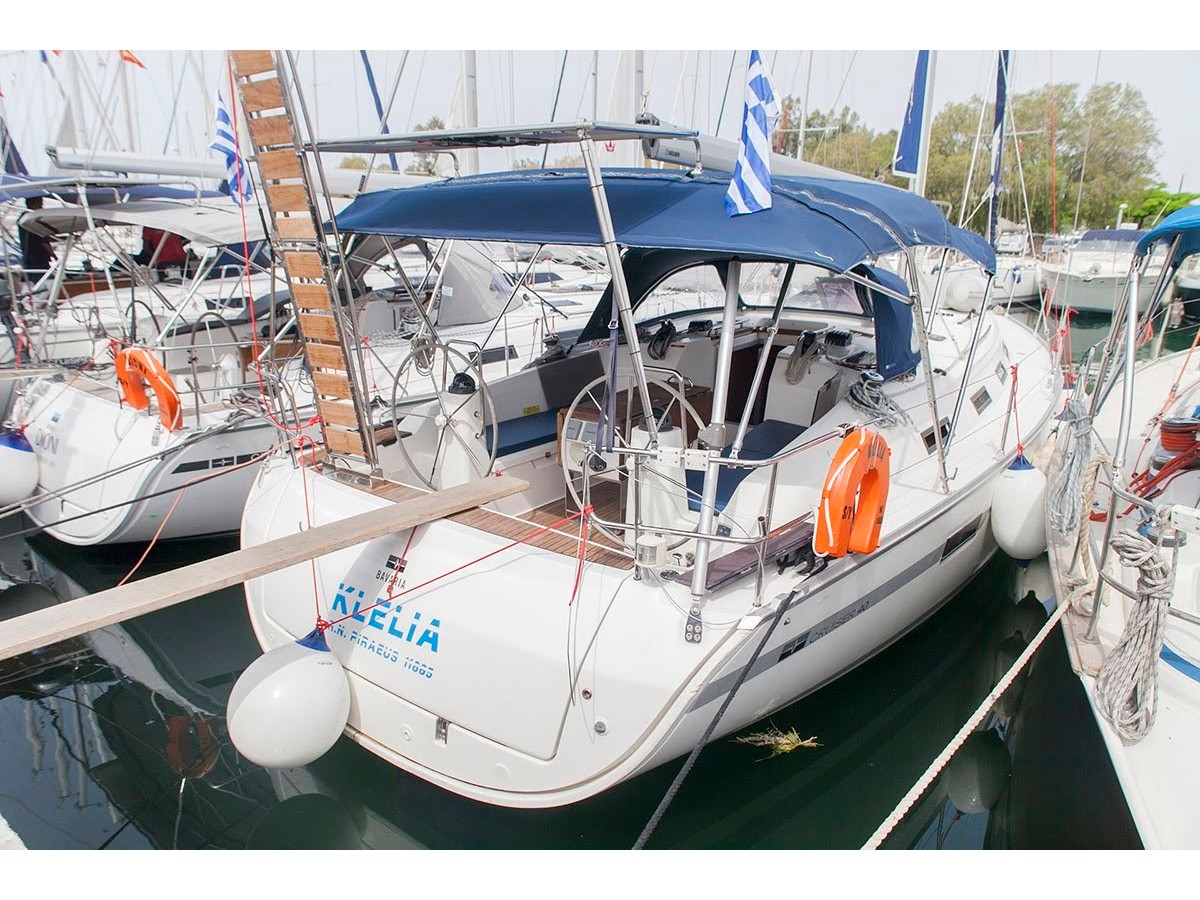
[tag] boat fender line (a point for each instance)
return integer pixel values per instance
(897, 815)
(137, 367)
(854, 497)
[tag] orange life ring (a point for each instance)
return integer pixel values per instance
(138, 367)
(854, 497)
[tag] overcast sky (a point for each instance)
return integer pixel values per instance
(519, 72)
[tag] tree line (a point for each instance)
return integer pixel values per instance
(1069, 160)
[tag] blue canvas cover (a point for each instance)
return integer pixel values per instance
(95, 189)
(895, 354)
(826, 222)
(1184, 223)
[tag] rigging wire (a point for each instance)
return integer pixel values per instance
(554, 108)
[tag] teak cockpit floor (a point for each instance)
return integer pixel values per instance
(563, 540)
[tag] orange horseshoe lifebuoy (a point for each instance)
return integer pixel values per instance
(854, 497)
(138, 367)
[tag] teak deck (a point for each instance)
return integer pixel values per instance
(566, 541)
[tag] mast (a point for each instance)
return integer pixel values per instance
(997, 145)
(471, 102)
(804, 108)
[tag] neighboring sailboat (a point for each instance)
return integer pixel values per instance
(1126, 563)
(727, 506)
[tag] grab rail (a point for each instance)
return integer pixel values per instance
(638, 455)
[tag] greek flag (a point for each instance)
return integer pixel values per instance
(750, 188)
(225, 144)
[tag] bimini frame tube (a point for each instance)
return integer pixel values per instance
(620, 285)
(708, 498)
(927, 368)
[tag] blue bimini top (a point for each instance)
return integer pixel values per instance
(818, 221)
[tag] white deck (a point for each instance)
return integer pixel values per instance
(8, 838)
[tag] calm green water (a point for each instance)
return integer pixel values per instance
(118, 741)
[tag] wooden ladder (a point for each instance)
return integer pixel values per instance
(298, 240)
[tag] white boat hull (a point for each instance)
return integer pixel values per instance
(499, 682)
(119, 476)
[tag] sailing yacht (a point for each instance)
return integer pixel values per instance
(164, 391)
(1123, 526)
(755, 466)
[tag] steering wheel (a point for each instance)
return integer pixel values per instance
(582, 434)
(442, 373)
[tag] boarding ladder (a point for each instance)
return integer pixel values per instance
(326, 325)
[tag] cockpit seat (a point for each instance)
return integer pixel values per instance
(762, 441)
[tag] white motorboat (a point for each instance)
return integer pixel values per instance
(1133, 631)
(677, 566)
(1091, 275)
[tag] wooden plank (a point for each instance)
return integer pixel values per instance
(295, 228)
(258, 96)
(277, 164)
(321, 328)
(287, 198)
(325, 356)
(252, 62)
(337, 413)
(310, 296)
(328, 384)
(346, 442)
(303, 263)
(22, 634)
(270, 131)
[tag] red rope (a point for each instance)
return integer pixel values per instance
(179, 496)
(586, 511)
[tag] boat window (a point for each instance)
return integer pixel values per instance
(811, 288)
(694, 288)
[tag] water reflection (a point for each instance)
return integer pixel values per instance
(119, 740)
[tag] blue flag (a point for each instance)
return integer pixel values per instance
(226, 144)
(750, 188)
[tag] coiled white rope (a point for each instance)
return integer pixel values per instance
(1064, 496)
(965, 732)
(1126, 688)
(873, 400)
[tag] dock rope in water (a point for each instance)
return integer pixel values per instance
(1126, 688)
(935, 768)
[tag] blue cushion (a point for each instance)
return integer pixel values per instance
(762, 441)
(525, 432)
